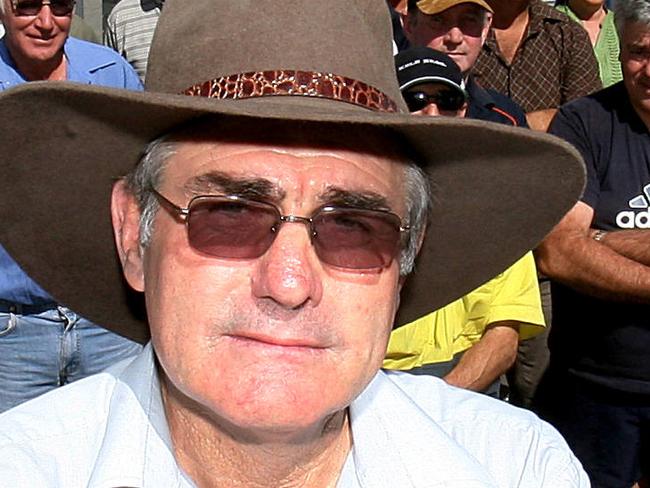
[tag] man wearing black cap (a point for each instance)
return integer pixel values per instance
(431, 83)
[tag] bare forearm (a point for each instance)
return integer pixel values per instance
(488, 359)
(540, 120)
(591, 267)
(633, 244)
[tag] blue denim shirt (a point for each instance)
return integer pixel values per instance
(87, 63)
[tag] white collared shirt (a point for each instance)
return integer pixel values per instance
(109, 431)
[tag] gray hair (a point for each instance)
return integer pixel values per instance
(148, 174)
(628, 11)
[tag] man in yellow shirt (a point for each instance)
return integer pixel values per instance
(471, 342)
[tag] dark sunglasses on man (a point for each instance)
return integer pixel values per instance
(30, 8)
(447, 100)
(232, 227)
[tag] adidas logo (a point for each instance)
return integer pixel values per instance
(628, 219)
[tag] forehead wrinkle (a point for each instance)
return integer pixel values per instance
(225, 183)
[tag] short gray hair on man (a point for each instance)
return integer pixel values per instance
(148, 174)
(628, 11)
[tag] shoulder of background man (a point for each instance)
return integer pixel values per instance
(594, 109)
(95, 64)
(492, 106)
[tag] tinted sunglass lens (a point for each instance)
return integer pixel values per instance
(33, 7)
(356, 239)
(62, 7)
(449, 100)
(416, 101)
(28, 7)
(231, 229)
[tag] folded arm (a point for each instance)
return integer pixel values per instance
(611, 269)
(488, 359)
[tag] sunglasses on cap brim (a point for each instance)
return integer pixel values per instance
(27, 8)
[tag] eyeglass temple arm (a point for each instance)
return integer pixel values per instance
(180, 212)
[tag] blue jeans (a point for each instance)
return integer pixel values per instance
(43, 351)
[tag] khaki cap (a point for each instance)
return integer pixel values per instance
(431, 7)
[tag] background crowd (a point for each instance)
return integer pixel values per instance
(563, 331)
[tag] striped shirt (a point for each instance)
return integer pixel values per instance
(129, 30)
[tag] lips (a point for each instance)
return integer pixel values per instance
(272, 341)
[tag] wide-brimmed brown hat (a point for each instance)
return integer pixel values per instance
(498, 190)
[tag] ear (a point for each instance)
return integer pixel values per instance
(486, 28)
(125, 214)
(408, 23)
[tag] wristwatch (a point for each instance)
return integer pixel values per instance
(599, 235)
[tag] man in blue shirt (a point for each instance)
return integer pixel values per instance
(42, 343)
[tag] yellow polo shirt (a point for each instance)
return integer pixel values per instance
(437, 337)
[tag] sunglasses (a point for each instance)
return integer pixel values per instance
(232, 227)
(446, 100)
(30, 8)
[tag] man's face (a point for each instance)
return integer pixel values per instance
(37, 38)
(459, 32)
(284, 340)
(635, 63)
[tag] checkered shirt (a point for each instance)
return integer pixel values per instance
(554, 63)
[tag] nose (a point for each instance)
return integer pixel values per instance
(646, 68)
(431, 109)
(289, 273)
(454, 35)
(45, 20)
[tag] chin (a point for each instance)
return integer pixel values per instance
(281, 414)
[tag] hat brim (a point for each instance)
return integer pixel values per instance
(497, 190)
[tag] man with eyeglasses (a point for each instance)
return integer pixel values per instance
(458, 28)
(276, 195)
(471, 342)
(43, 344)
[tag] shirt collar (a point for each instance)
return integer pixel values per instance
(395, 443)
(539, 14)
(477, 95)
(81, 63)
(137, 424)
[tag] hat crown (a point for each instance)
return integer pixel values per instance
(203, 40)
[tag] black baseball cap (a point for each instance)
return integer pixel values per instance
(417, 65)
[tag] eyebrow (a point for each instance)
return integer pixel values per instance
(359, 199)
(264, 190)
(219, 182)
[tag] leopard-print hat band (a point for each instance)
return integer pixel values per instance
(294, 83)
